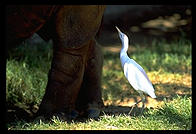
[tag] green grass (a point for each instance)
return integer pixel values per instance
(26, 73)
(168, 65)
(173, 115)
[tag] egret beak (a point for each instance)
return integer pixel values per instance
(118, 29)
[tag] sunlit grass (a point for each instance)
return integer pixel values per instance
(173, 115)
(168, 65)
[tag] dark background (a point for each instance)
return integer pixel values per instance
(142, 23)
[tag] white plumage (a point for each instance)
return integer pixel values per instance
(134, 73)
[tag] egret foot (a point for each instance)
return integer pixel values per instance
(132, 106)
(143, 103)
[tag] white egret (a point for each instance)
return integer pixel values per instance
(134, 73)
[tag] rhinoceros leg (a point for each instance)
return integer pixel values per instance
(64, 80)
(75, 28)
(90, 99)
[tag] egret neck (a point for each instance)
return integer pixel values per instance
(123, 52)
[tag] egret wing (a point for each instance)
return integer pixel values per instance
(140, 68)
(138, 78)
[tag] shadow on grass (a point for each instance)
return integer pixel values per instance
(162, 90)
(123, 110)
(16, 113)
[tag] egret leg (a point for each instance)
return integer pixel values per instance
(143, 101)
(132, 106)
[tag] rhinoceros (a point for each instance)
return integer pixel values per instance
(74, 79)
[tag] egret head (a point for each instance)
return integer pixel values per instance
(124, 38)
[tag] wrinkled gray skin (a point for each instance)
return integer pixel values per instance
(74, 80)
